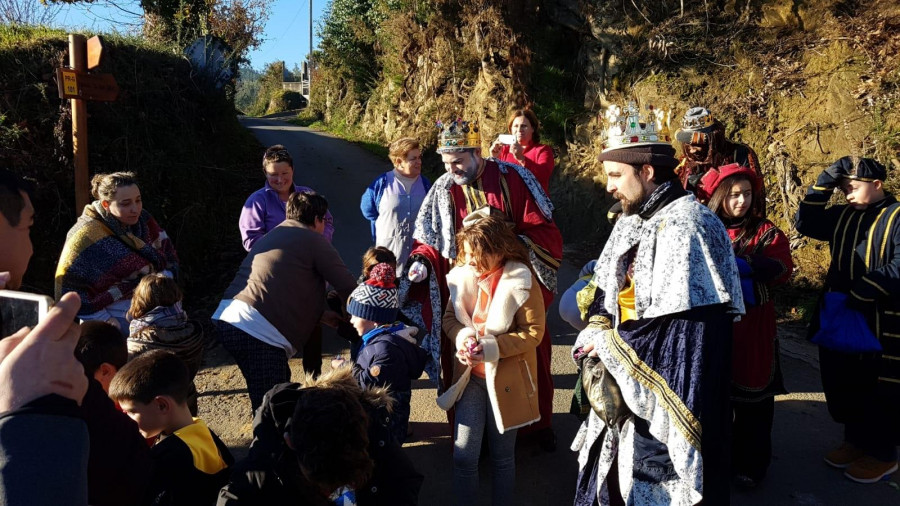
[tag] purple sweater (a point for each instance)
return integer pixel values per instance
(264, 211)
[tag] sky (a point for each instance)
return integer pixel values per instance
(286, 33)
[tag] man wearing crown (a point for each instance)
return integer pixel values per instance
(663, 297)
(705, 147)
(471, 184)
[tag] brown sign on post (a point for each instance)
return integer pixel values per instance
(94, 52)
(94, 87)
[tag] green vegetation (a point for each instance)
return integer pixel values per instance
(192, 157)
(802, 83)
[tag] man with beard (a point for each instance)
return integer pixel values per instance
(665, 292)
(487, 186)
(705, 147)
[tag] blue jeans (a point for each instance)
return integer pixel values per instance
(475, 419)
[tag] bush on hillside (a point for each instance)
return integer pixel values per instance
(191, 155)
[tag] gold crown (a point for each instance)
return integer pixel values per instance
(625, 129)
(458, 134)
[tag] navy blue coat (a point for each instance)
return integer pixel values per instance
(391, 361)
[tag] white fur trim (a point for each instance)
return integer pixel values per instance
(512, 291)
(490, 348)
(462, 335)
(448, 399)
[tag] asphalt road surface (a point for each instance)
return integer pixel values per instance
(341, 171)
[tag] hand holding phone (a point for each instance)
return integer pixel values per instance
(42, 361)
(508, 139)
(21, 309)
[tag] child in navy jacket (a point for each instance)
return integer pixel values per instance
(388, 354)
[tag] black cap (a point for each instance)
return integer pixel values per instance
(862, 169)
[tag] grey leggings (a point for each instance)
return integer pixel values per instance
(475, 419)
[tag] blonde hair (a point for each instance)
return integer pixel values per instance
(105, 186)
(400, 148)
(154, 290)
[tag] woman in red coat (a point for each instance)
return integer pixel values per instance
(763, 255)
(527, 149)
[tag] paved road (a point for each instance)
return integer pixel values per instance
(803, 430)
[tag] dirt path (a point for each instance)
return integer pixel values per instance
(341, 171)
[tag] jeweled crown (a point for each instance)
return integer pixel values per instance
(458, 134)
(625, 129)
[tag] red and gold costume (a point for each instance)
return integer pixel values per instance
(515, 193)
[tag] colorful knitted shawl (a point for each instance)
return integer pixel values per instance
(103, 260)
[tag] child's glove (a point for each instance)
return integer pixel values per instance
(831, 177)
(417, 272)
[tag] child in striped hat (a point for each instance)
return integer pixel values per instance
(389, 355)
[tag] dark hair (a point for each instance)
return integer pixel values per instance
(275, 154)
(104, 186)
(329, 434)
(100, 343)
(154, 290)
(491, 236)
(374, 256)
(12, 186)
(305, 207)
(754, 215)
(661, 174)
(152, 374)
(531, 117)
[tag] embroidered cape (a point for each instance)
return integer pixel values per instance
(671, 362)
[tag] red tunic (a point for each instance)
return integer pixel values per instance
(756, 371)
(538, 160)
(508, 193)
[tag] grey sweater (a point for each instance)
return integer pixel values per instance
(284, 275)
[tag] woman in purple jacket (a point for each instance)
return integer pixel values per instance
(265, 208)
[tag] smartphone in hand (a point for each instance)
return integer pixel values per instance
(21, 309)
(508, 139)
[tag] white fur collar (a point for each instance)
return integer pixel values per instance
(512, 291)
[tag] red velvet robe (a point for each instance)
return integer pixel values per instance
(756, 371)
(508, 193)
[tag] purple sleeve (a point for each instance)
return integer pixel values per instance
(253, 220)
(329, 226)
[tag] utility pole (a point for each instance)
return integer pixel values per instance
(309, 58)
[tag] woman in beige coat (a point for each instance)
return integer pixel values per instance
(496, 318)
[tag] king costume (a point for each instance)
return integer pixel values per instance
(516, 193)
(660, 308)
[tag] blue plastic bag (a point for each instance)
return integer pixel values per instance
(844, 329)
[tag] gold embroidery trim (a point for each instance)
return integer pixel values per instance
(871, 238)
(887, 230)
(876, 285)
(684, 420)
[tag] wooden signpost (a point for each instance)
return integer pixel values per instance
(77, 84)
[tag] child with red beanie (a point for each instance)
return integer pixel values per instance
(388, 355)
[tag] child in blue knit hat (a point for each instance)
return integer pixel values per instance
(388, 355)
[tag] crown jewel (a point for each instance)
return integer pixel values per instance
(626, 128)
(458, 134)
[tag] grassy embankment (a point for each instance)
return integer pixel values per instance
(194, 161)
